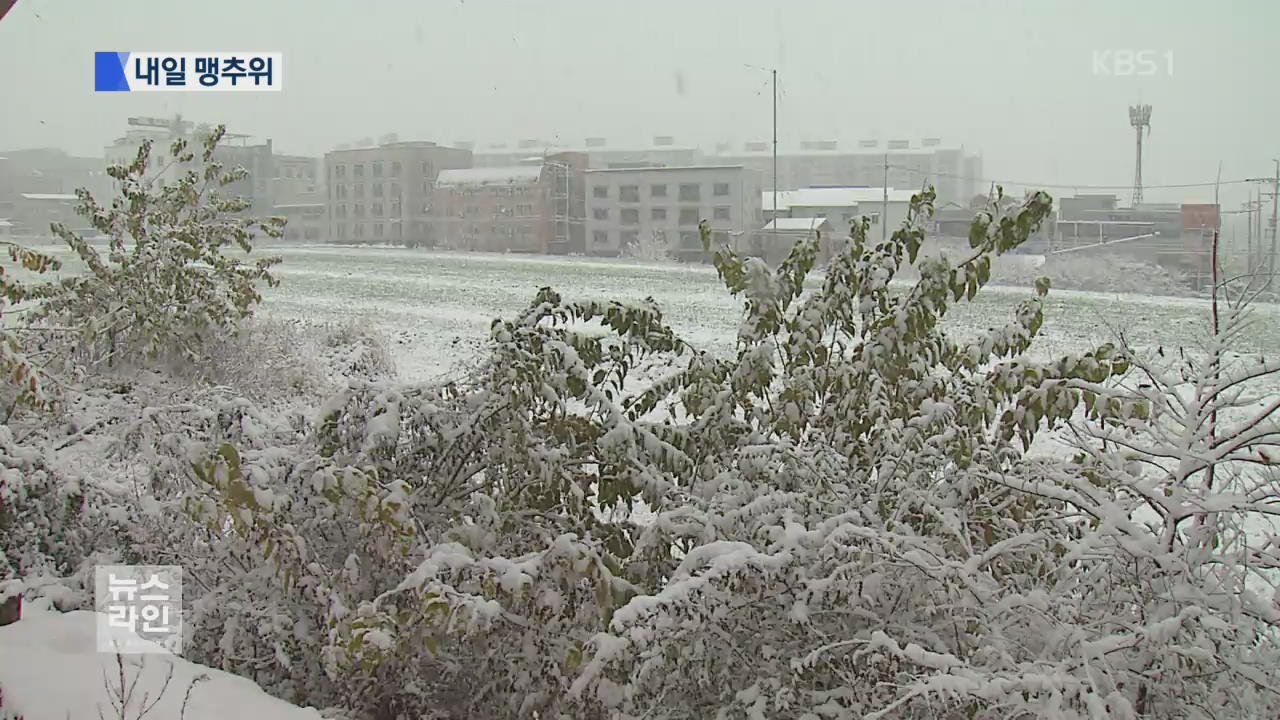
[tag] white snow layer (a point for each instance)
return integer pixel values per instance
(50, 669)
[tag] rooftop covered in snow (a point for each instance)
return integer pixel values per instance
(47, 196)
(664, 168)
(490, 177)
(807, 224)
(832, 197)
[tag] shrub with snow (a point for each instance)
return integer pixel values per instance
(845, 520)
(171, 278)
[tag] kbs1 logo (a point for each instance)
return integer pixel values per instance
(1133, 63)
(209, 72)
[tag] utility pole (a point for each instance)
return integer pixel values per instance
(1275, 207)
(884, 207)
(774, 74)
(1248, 246)
(1256, 217)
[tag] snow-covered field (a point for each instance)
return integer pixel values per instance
(435, 306)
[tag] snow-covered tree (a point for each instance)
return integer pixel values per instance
(171, 277)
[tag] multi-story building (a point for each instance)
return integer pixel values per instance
(233, 151)
(383, 193)
(667, 203)
(31, 214)
(663, 152)
(841, 205)
(296, 179)
(51, 171)
(531, 208)
(304, 222)
(954, 173)
(298, 196)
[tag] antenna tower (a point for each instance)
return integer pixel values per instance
(1139, 118)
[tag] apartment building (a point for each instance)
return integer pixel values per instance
(383, 193)
(627, 204)
(304, 222)
(600, 155)
(233, 151)
(52, 171)
(841, 205)
(297, 179)
(954, 173)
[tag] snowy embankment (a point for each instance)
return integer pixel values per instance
(50, 669)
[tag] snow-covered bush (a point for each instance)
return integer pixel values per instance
(21, 381)
(844, 519)
(171, 277)
(271, 359)
(654, 247)
(839, 520)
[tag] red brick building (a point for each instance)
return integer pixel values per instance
(532, 208)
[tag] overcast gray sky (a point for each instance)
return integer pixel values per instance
(1014, 79)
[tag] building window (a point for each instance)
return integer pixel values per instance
(377, 171)
(359, 190)
(720, 238)
(395, 169)
(357, 170)
(690, 192)
(688, 216)
(359, 230)
(600, 237)
(690, 239)
(524, 210)
(340, 211)
(471, 211)
(428, 171)
(359, 210)
(340, 191)
(658, 214)
(339, 170)
(395, 208)
(629, 193)
(395, 190)
(720, 189)
(377, 189)
(426, 188)
(875, 218)
(657, 191)
(377, 230)
(311, 233)
(377, 209)
(720, 213)
(396, 229)
(629, 238)
(600, 213)
(629, 216)
(600, 191)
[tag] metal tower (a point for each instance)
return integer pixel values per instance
(1139, 118)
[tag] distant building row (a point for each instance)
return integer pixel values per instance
(536, 198)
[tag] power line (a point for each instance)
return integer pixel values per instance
(927, 173)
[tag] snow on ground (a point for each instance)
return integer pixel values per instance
(436, 307)
(50, 670)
